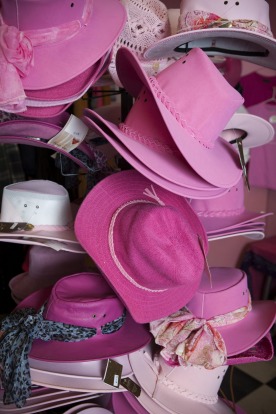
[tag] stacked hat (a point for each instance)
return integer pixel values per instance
(177, 145)
(235, 29)
(49, 55)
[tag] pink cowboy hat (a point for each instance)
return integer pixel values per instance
(38, 212)
(227, 212)
(155, 160)
(193, 121)
(238, 29)
(45, 267)
(68, 36)
(220, 316)
(132, 229)
(172, 389)
(85, 300)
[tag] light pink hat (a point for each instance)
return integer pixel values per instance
(147, 22)
(219, 321)
(142, 237)
(227, 212)
(38, 212)
(238, 29)
(58, 34)
(193, 120)
(45, 267)
(167, 389)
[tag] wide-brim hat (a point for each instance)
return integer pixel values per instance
(38, 211)
(67, 36)
(115, 224)
(250, 232)
(42, 399)
(241, 31)
(194, 119)
(105, 128)
(227, 212)
(84, 300)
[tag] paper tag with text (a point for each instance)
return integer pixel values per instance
(71, 135)
(131, 386)
(113, 373)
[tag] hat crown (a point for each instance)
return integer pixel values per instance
(228, 292)
(227, 205)
(149, 236)
(257, 10)
(196, 101)
(42, 14)
(38, 202)
(83, 299)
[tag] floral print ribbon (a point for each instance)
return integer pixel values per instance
(199, 19)
(187, 339)
(18, 330)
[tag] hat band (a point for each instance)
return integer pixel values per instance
(18, 330)
(187, 339)
(219, 213)
(176, 113)
(200, 19)
(111, 240)
(16, 55)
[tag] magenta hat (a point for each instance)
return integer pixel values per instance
(85, 300)
(44, 208)
(226, 212)
(87, 409)
(192, 179)
(238, 29)
(45, 267)
(69, 36)
(142, 237)
(126, 403)
(194, 119)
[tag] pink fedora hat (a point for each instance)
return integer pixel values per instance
(142, 237)
(57, 33)
(147, 22)
(222, 322)
(226, 212)
(194, 119)
(35, 211)
(156, 159)
(45, 267)
(173, 389)
(238, 29)
(79, 319)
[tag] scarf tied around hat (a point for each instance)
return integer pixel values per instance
(187, 339)
(17, 332)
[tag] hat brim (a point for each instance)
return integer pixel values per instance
(220, 165)
(167, 165)
(255, 234)
(129, 338)
(259, 131)
(71, 58)
(65, 245)
(236, 43)
(92, 230)
(97, 123)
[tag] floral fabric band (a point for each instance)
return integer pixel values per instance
(187, 339)
(18, 330)
(199, 19)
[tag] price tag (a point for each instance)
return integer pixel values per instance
(71, 136)
(113, 373)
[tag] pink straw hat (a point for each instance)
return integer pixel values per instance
(194, 120)
(238, 29)
(45, 267)
(227, 212)
(67, 36)
(38, 212)
(219, 321)
(142, 237)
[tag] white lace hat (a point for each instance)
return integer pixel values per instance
(147, 22)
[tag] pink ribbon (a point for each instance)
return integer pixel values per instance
(199, 19)
(16, 59)
(187, 339)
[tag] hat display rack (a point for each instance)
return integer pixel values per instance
(116, 309)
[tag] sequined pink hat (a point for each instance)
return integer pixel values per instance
(238, 29)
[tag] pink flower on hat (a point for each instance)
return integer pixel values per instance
(16, 48)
